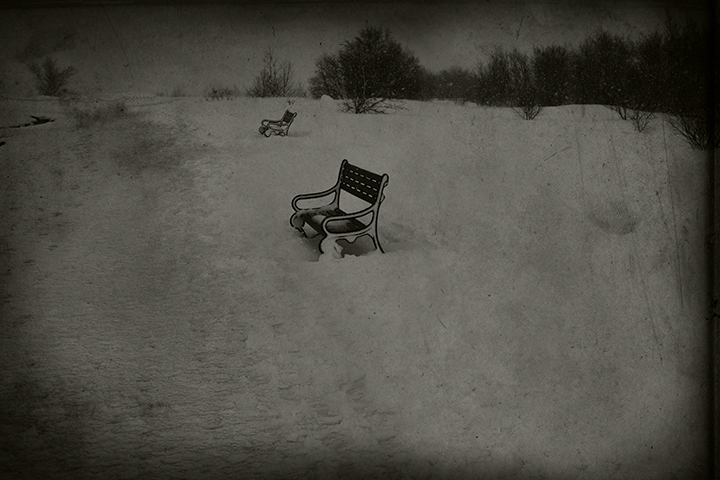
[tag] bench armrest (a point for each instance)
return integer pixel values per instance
(274, 122)
(310, 196)
(282, 121)
(349, 216)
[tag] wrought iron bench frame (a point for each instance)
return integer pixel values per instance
(334, 223)
(277, 127)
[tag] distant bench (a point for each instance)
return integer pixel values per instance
(334, 223)
(277, 127)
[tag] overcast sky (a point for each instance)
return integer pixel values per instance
(228, 39)
(457, 33)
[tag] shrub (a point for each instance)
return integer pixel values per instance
(221, 93)
(552, 69)
(428, 82)
(640, 118)
(524, 96)
(176, 92)
(328, 78)
(107, 113)
(456, 83)
(275, 79)
(372, 73)
(601, 67)
(493, 80)
(692, 83)
(688, 56)
(645, 80)
(699, 128)
(49, 78)
(649, 74)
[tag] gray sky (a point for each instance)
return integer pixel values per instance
(204, 43)
(440, 34)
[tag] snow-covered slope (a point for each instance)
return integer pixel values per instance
(538, 311)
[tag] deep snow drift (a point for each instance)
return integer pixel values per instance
(538, 313)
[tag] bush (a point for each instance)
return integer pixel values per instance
(688, 66)
(666, 72)
(601, 67)
(222, 93)
(552, 69)
(645, 81)
(49, 79)
(107, 113)
(508, 80)
(640, 118)
(524, 94)
(275, 79)
(692, 83)
(372, 73)
(456, 83)
(649, 74)
(699, 129)
(428, 82)
(178, 91)
(493, 81)
(328, 78)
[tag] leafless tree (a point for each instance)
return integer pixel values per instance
(275, 78)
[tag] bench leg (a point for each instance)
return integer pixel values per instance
(297, 223)
(379, 246)
(328, 245)
(376, 240)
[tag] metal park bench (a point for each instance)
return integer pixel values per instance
(277, 127)
(334, 223)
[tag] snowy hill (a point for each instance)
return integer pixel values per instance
(538, 311)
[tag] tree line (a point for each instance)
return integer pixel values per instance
(668, 72)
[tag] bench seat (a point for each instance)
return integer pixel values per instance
(314, 219)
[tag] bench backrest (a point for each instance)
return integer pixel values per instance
(361, 183)
(288, 117)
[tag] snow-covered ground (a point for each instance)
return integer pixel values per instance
(538, 313)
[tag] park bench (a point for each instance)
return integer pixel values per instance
(334, 223)
(278, 127)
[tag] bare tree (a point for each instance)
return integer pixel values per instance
(50, 79)
(372, 73)
(275, 79)
(328, 78)
(698, 128)
(551, 67)
(493, 80)
(455, 83)
(525, 98)
(692, 51)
